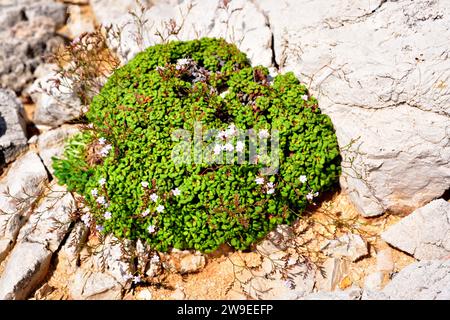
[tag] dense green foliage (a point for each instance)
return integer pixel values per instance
(156, 93)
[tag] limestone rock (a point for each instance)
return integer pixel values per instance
(19, 189)
(54, 105)
(425, 233)
(87, 285)
(374, 281)
(424, 280)
(50, 220)
(350, 246)
(184, 261)
(384, 92)
(51, 144)
(27, 34)
(12, 127)
(334, 271)
(26, 268)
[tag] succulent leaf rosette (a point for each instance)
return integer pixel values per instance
(129, 167)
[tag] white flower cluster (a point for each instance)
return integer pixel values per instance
(160, 208)
(106, 149)
(311, 195)
(269, 186)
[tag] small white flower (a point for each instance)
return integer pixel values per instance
(259, 180)
(217, 149)
(94, 192)
(231, 131)
(151, 229)
(105, 150)
(144, 184)
(136, 279)
(154, 197)
(222, 135)
(155, 258)
(240, 146)
(303, 179)
(101, 200)
(176, 192)
(106, 205)
(228, 147)
(305, 97)
(270, 191)
(146, 213)
(264, 134)
(270, 185)
(160, 208)
(107, 215)
(102, 141)
(309, 196)
(316, 194)
(102, 182)
(99, 228)
(91, 126)
(86, 218)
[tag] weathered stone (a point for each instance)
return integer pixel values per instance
(19, 189)
(50, 220)
(184, 261)
(424, 280)
(425, 233)
(12, 127)
(26, 268)
(27, 34)
(78, 23)
(73, 245)
(87, 285)
(54, 105)
(374, 281)
(383, 91)
(350, 246)
(385, 262)
(333, 272)
(353, 293)
(51, 144)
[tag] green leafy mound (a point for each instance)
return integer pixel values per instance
(122, 164)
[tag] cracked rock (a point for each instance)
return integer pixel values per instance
(350, 246)
(13, 138)
(425, 233)
(26, 268)
(27, 34)
(424, 280)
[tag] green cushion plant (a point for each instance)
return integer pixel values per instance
(123, 163)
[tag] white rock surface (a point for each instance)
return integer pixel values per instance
(184, 261)
(51, 143)
(350, 246)
(381, 71)
(425, 233)
(334, 271)
(424, 280)
(50, 220)
(26, 268)
(268, 282)
(374, 281)
(19, 189)
(87, 285)
(78, 23)
(27, 34)
(54, 106)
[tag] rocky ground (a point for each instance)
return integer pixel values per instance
(380, 69)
